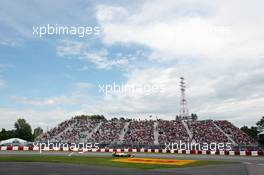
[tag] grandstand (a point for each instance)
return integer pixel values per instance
(122, 131)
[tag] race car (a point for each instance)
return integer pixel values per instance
(118, 154)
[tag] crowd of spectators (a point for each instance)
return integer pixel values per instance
(109, 132)
(54, 132)
(140, 132)
(235, 133)
(60, 128)
(74, 130)
(78, 131)
(172, 131)
(205, 131)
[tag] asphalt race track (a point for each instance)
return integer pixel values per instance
(247, 166)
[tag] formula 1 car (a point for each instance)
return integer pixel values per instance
(117, 154)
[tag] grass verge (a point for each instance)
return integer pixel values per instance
(103, 161)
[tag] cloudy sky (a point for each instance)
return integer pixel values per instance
(147, 45)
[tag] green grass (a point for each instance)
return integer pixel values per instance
(101, 161)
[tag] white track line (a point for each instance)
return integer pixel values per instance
(247, 163)
(70, 154)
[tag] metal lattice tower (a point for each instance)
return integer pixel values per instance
(184, 114)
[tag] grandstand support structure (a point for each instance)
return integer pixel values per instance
(156, 133)
(123, 132)
(229, 138)
(95, 130)
(188, 131)
(56, 138)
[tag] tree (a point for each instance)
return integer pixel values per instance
(252, 132)
(114, 119)
(23, 129)
(37, 131)
(7, 134)
(194, 117)
(260, 123)
(91, 117)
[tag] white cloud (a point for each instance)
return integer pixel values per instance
(188, 28)
(247, 111)
(216, 45)
(78, 96)
(101, 60)
(43, 118)
(42, 102)
(72, 48)
(2, 83)
(205, 97)
(3, 68)
(80, 50)
(217, 48)
(8, 43)
(83, 85)
(18, 18)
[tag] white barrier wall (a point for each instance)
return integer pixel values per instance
(4, 148)
(15, 148)
(242, 153)
(254, 153)
(35, 148)
(222, 153)
(231, 153)
(212, 152)
(56, 148)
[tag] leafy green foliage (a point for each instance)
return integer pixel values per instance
(37, 131)
(23, 130)
(260, 123)
(252, 132)
(7, 134)
(92, 117)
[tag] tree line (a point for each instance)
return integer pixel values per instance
(22, 130)
(253, 131)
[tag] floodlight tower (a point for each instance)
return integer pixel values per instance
(184, 114)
